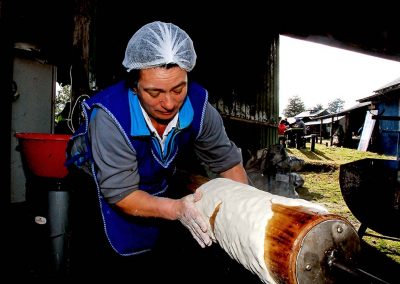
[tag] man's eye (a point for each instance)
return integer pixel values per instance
(153, 94)
(177, 91)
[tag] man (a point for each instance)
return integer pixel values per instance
(136, 130)
(300, 140)
(281, 132)
(300, 124)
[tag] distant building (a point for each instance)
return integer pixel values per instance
(310, 115)
(386, 134)
(313, 127)
(350, 119)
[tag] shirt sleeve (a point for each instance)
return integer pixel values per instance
(213, 147)
(115, 161)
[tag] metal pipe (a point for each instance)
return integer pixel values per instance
(357, 272)
(58, 206)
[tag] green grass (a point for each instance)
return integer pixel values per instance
(321, 175)
(334, 156)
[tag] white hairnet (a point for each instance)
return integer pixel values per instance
(156, 44)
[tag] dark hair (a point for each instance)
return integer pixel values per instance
(132, 78)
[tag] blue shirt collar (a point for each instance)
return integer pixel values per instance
(138, 123)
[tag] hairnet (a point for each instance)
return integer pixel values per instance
(156, 44)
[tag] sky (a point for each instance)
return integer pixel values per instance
(319, 74)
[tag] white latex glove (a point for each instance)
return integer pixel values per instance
(193, 220)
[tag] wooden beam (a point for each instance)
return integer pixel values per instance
(385, 117)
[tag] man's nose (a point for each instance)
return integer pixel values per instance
(167, 102)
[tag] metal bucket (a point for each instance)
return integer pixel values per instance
(371, 190)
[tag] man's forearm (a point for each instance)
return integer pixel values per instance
(140, 203)
(236, 173)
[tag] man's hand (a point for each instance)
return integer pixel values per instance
(141, 203)
(193, 220)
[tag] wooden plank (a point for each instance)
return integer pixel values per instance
(385, 117)
(368, 127)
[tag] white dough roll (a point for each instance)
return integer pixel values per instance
(261, 231)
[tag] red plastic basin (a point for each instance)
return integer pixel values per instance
(44, 153)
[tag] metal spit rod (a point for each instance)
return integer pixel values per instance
(357, 272)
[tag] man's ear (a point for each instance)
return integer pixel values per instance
(135, 88)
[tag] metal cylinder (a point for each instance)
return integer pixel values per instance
(58, 207)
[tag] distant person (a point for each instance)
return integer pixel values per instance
(286, 122)
(300, 140)
(300, 124)
(282, 127)
(338, 136)
(281, 132)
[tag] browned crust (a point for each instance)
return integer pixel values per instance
(214, 215)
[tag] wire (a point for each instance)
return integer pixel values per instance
(70, 123)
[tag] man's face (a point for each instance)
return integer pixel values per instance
(162, 92)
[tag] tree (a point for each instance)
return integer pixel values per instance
(63, 95)
(336, 105)
(295, 106)
(317, 108)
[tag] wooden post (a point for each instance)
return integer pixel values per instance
(320, 132)
(82, 41)
(313, 138)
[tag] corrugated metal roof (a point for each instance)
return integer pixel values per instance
(324, 121)
(391, 86)
(309, 113)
